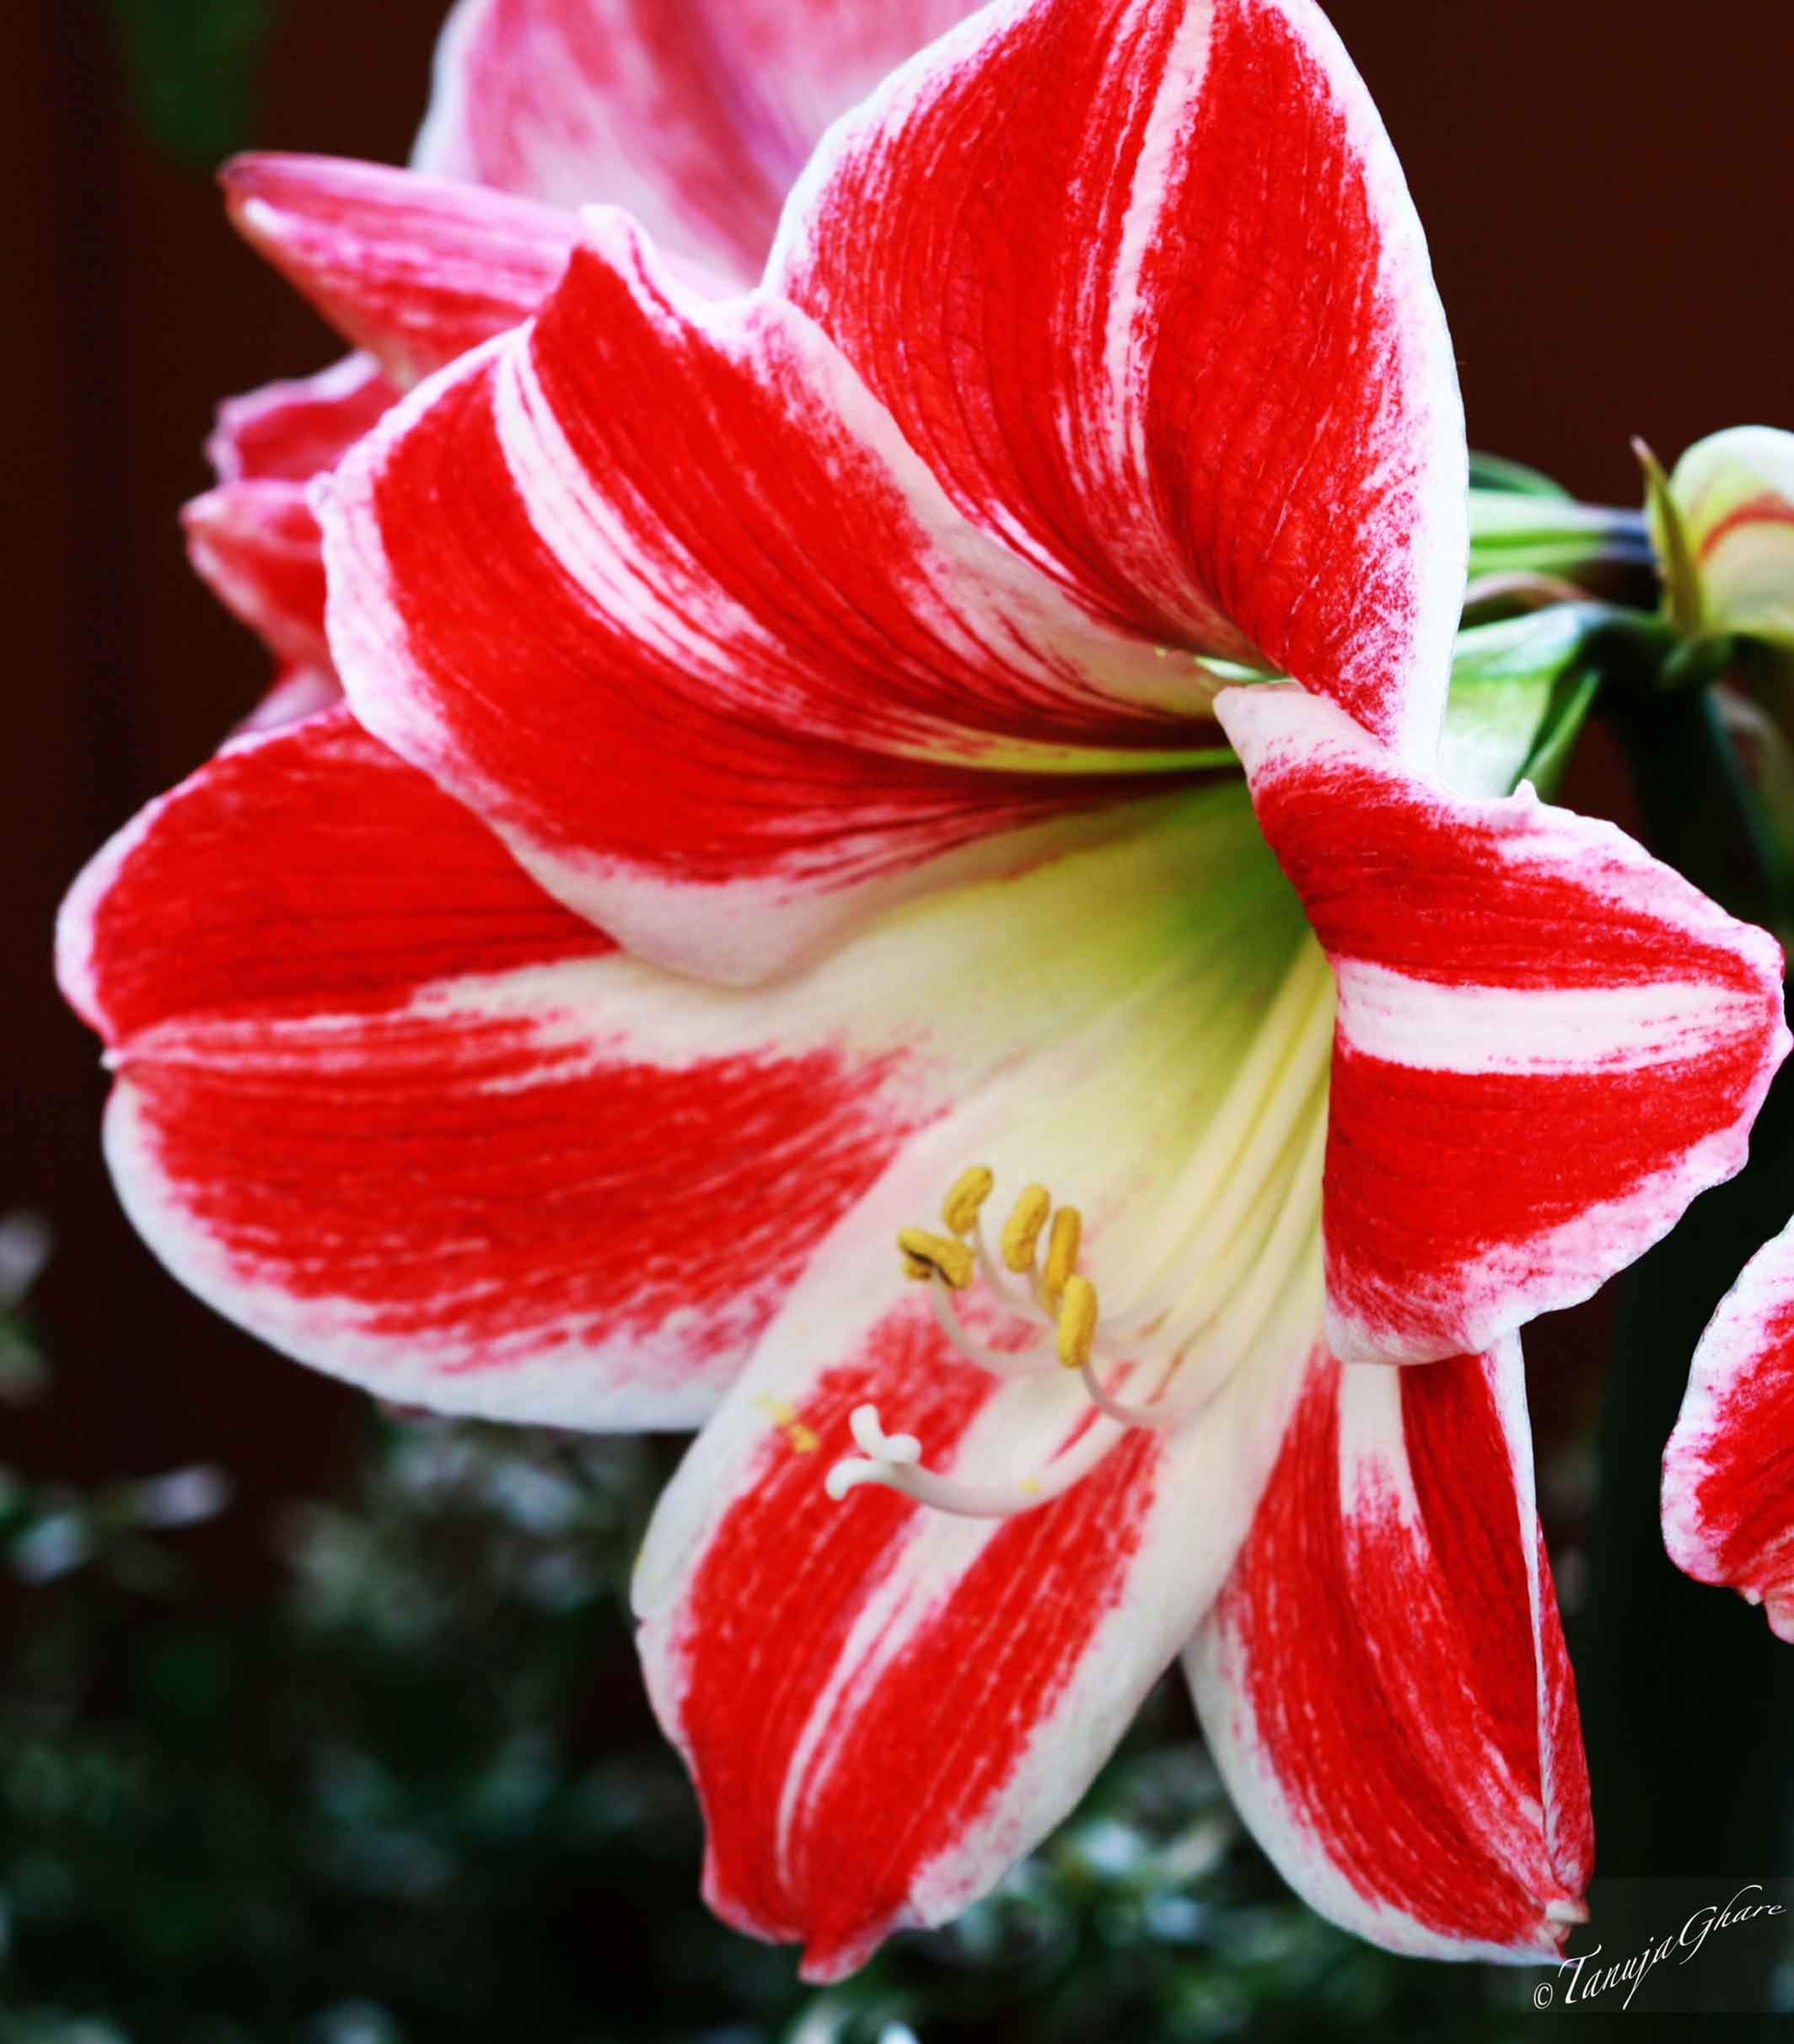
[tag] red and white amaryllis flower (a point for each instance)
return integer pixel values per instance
(791, 793)
(696, 115)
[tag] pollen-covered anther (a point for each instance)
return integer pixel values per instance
(1062, 1245)
(1078, 1317)
(1021, 1230)
(1056, 1307)
(926, 1255)
(960, 1208)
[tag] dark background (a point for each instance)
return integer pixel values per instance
(1607, 192)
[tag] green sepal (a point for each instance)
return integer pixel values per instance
(1521, 689)
(1498, 472)
(1683, 602)
(1512, 533)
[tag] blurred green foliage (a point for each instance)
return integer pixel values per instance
(416, 1798)
(190, 67)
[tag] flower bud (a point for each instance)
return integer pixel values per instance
(1723, 527)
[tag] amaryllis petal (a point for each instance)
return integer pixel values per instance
(257, 546)
(1141, 281)
(1383, 1681)
(723, 684)
(383, 1102)
(1548, 1044)
(883, 1705)
(416, 270)
(255, 539)
(1728, 1472)
(386, 1103)
(298, 693)
(291, 431)
(694, 115)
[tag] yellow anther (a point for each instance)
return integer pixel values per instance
(970, 1189)
(1077, 1322)
(1021, 1230)
(1061, 1250)
(929, 1255)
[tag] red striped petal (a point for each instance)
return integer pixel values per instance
(416, 270)
(694, 115)
(1384, 1682)
(384, 1103)
(1728, 1472)
(257, 547)
(884, 1706)
(726, 678)
(1548, 1044)
(297, 692)
(290, 431)
(1141, 281)
(254, 539)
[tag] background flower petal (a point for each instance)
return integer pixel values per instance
(1728, 1472)
(694, 115)
(416, 270)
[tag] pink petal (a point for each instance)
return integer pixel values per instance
(1383, 1681)
(1728, 1472)
(718, 659)
(884, 1706)
(1547, 1043)
(291, 431)
(385, 1104)
(1141, 281)
(297, 692)
(416, 270)
(255, 539)
(257, 546)
(694, 115)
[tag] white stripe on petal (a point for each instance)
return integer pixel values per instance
(1539, 1031)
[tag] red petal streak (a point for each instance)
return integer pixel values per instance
(694, 114)
(392, 1108)
(255, 539)
(719, 662)
(1547, 1043)
(1728, 1472)
(1141, 281)
(416, 270)
(884, 1706)
(291, 431)
(1383, 1680)
(1768, 510)
(823, 1830)
(257, 547)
